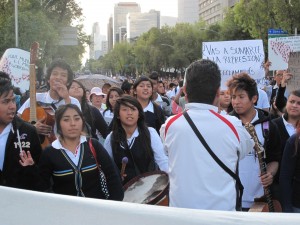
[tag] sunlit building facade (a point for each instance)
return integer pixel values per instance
(121, 10)
(213, 11)
(138, 23)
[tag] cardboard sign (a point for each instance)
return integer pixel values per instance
(279, 50)
(16, 62)
(235, 57)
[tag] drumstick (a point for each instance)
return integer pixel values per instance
(124, 162)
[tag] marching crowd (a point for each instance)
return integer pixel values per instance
(192, 129)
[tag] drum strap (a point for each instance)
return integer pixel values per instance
(137, 171)
(239, 187)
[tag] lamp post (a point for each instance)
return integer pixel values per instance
(16, 24)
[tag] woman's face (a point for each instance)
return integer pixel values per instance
(144, 90)
(97, 100)
(76, 91)
(293, 106)
(128, 115)
(71, 124)
(225, 99)
(113, 97)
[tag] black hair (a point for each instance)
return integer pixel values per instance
(108, 105)
(5, 84)
(60, 112)
(119, 136)
(61, 64)
(126, 86)
(154, 75)
(243, 81)
(202, 80)
(86, 111)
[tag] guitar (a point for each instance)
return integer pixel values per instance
(36, 112)
(267, 204)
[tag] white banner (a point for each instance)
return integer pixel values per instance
(279, 50)
(16, 62)
(235, 57)
(20, 207)
(294, 68)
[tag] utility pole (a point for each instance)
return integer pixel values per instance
(16, 24)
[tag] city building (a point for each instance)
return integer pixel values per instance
(110, 34)
(138, 23)
(188, 11)
(96, 42)
(212, 11)
(121, 10)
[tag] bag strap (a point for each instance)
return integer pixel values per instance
(94, 152)
(220, 163)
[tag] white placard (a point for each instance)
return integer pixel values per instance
(294, 68)
(279, 50)
(16, 62)
(235, 57)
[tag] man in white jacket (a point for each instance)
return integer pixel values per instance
(196, 179)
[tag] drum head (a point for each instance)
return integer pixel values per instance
(147, 188)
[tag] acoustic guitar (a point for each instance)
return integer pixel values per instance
(264, 204)
(36, 112)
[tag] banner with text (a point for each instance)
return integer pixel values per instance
(294, 68)
(279, 50)
(235, 57)
(16, 62)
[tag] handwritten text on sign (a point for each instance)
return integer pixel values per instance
(16, 62)
(235, 57)
(294, 68)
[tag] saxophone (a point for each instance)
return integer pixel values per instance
(259, 149)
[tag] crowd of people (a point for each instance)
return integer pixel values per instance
(192, 129)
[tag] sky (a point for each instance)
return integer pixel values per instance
(100, 10)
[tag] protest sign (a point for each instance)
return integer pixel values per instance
(16, 62)
(235, 57)
(294, 68)
(279, 50)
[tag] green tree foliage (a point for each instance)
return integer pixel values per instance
(42, 21)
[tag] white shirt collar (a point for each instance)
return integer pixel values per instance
(255, 117)
(275, 86)
(7, 129)
(57, 144)
(288, 126)
(49, 99)
(149, 107)
(202, 106)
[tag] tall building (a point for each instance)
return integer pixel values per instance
(121, 10)
(96, 42)
(212, 11)
(110, 34)
(138, 23)
(188, 11)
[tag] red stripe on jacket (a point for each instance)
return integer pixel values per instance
(227, 122)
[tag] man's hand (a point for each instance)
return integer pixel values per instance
(42, 128)
(285, 78)
(26, 159)
(266, 179)
(62, 91)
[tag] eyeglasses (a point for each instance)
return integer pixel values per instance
(279, 75)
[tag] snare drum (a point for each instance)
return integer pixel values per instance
(148, 188)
